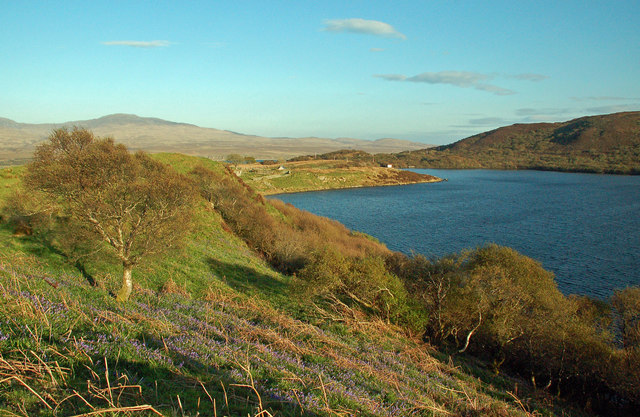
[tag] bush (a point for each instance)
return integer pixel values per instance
(363, 282)
(285, 236)
(627, 305)
(505, 308)
(319, 231)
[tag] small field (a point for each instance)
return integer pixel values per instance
(323, 175)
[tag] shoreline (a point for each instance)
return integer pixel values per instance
(322, 175)
(269, 193)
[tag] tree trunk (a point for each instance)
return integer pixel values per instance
(466, 345)
(127, 283)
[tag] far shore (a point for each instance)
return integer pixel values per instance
(351, 187)
(321, 175)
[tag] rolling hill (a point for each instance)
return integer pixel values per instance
(17, 140)
(605, 144)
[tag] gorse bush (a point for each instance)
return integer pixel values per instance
(319, 231)
(330, 262)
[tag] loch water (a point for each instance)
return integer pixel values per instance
(583, 227)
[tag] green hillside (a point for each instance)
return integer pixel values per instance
(602, 144)
(270, 311)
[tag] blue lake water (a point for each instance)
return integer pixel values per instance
(583, 227)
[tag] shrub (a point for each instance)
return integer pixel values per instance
(319, 231)
(627, 306)
(504, 307)
(363, 282)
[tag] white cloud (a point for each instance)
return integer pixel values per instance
(139, 44)
(369, 27)
(376, 49)
(463, 79)
(499, 91)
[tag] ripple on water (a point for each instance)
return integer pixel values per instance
(585, 228)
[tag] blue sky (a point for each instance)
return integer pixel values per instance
(430, 71)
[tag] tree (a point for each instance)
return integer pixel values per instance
(128, 203)
(235, 159)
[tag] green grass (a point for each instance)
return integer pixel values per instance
(9, 180)
(320, 175)
(210, 330)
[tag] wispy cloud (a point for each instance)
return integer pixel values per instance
(376, 49)
(463, 79)
(494, 89)
(472, 125)
(489, 121)
(457, 78)
(602, 98)
(368, 27)
(391, 77)
(613, 108)
(623, 104)
(528, 111)
(529, 77)
(549, 114)
(139, 44)
(545, 114)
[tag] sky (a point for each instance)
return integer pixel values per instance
(425, 70)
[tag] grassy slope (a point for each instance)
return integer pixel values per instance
(209, 330)
(324, 175)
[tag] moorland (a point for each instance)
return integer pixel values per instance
(599, 144)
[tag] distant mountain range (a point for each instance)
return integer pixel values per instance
(18, 140)
(605, 143)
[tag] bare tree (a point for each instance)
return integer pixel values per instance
(130, 204)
